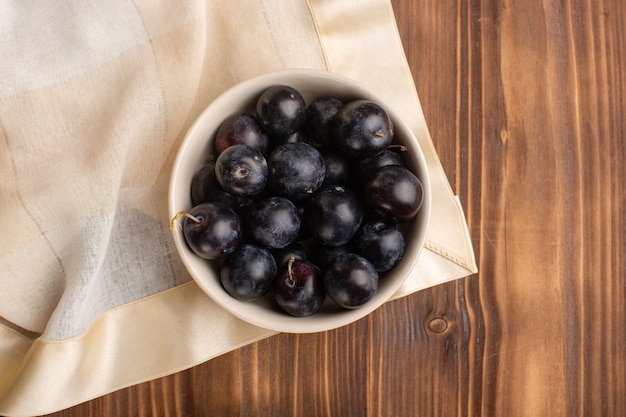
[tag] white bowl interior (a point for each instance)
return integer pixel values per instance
(198, 144)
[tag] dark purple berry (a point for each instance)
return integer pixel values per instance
(334, 215)
(360, 128)
(211, 230)
(273, 222)
(241, 170)
(381, 243)
(296, 170)
(248, 273)
(241, 129)
(281, 110)
(299, 288)
(351, 280)
(394, 192)
(319, 114)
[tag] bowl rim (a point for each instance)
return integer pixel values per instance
(286, 323)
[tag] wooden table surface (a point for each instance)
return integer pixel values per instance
(526, 105)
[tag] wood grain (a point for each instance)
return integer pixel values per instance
(526, 104)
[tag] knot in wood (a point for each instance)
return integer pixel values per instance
(438, 325)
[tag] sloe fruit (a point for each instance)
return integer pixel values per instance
(249, 272)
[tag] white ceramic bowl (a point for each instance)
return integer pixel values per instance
(198, 144)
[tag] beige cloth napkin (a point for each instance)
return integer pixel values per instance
(95, 98)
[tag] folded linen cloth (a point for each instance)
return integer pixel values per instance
(95, 98)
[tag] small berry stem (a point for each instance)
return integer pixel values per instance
(401, 148)
(179, 215)
(289, 265)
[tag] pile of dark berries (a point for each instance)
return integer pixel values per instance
(303, 201)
